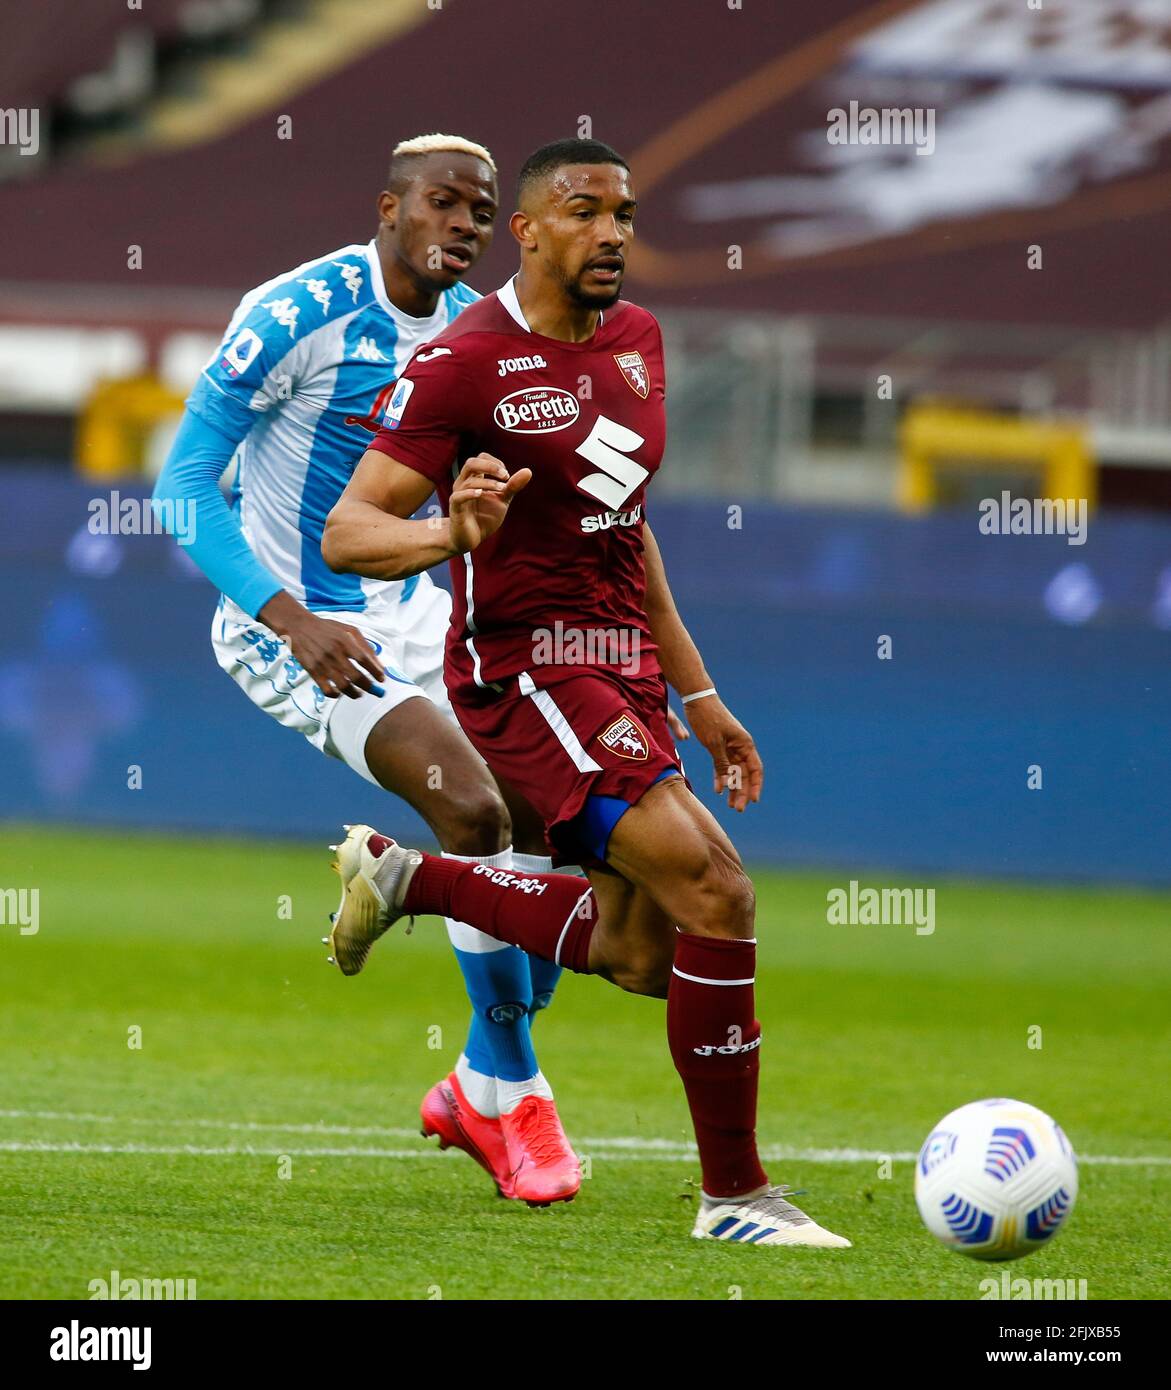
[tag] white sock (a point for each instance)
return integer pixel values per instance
(709, 1201)
(479, 1089)
(467, 938)
(509, 1094)
(532, 863)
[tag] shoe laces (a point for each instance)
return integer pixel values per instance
(774, 1205)
(540, 1130)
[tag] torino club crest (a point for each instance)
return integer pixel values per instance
(626, 738)
(633, 368)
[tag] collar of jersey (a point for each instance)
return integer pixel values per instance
(508, 296)
(437, 320)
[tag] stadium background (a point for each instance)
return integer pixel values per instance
(159, 130)
(880, 299)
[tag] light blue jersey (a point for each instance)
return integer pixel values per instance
(295, 391)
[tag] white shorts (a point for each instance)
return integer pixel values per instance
(407, 636)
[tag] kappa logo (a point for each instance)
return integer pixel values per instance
(352, 276)
(320, 291)
(398, 403)
(633, 368)
(285, 312)
(368, 350)
(242, 353)
(626, 738)
(537, 410)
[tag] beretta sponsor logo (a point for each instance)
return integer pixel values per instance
(537, 410)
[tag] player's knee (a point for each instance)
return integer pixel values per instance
(474, 822)
(724, 901)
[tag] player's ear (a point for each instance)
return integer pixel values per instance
(388, 204)
(522, 227)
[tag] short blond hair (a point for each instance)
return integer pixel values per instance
(443, 144)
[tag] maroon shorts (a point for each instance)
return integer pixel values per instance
(559, 739)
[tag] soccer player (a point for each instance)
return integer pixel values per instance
(305, 372)
(555, 388)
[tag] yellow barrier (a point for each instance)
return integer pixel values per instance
(932, 436)
(116, 422)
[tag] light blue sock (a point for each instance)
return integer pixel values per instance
(500, 987)
(543, 973)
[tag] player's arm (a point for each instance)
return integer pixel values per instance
(369, 531)
(218, 416)
(737, 764)
(431, 415)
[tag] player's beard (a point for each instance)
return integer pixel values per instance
(601, 298)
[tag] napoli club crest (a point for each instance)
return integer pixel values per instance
(626, 738)
(633, 368)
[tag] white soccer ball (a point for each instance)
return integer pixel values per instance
(995, 1179)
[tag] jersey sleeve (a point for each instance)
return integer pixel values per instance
(430, 414)
(258, 363)
(216, 543)
(256, 368)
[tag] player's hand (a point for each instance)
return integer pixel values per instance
(480, 500)
(679, 731)
(738, 768)
(336, 655)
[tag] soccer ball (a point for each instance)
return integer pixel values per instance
(995, 1179)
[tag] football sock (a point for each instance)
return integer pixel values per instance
(509, 1094)
(715, 1043)
(544, 973)
(479, 1089)
(499, 986)
(548, 915)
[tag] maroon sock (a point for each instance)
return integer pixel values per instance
(548, 915)
(715, 1042)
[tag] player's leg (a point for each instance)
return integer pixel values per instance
(684, 880)
(400, 742)
(677, 856)
(503, 979)
(530, 855)
(686, 930)
(419, 755)
(528, 1118)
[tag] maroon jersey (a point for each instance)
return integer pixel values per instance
(589, 420)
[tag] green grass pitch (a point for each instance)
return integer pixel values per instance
(256, 1059)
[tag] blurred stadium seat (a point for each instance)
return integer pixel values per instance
(816, 300)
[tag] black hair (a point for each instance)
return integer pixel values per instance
(557, 154)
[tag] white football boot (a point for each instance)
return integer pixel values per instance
(762, 1218)
(373, 889)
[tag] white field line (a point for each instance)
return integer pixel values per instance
(633, 1148)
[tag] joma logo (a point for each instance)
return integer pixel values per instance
(520, 364)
